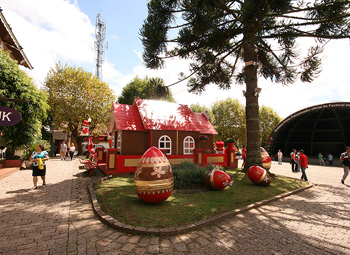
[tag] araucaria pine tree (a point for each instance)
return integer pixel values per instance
(231, 41)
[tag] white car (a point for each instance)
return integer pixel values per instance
(85, 148)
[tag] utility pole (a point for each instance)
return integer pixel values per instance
(100, 45)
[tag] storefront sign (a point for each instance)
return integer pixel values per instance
(9, 116)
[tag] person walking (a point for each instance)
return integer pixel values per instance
(293, 160)
(71, 151)
(280, 157)
(38, 158)
(320, 158)
(330, 159)
(63, 150)
(303, 165)
(297, 157)
(345, 160)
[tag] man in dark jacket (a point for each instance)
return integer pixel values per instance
(344, 158)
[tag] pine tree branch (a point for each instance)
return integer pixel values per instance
(222, 6)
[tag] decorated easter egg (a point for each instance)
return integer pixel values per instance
(153, 178)
(217, 180)
(259, 176)
(266, 159)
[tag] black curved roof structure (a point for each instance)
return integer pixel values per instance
(321, 128)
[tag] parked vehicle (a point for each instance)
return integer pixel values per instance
(85, 148)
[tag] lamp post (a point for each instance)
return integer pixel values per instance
(89, 120)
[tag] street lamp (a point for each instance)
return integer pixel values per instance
(89, 120)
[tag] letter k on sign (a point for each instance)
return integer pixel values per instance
(9, 116)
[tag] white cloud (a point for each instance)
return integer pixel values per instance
(57, 30)
(41, 28)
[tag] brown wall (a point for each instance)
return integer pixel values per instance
(137, 142)
(207, 145)
(134, 142)
(177, 149)
(157, 134)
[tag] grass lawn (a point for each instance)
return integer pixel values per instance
(118, 198)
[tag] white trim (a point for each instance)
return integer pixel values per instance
(166, 143)
(119, 142)
(187, 148)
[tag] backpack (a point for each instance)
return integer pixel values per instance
(346, 161)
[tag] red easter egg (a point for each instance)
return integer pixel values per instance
(259, 176)
(217, 180)
(266, 159)
(153, 178)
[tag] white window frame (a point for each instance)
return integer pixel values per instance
(119, 142)
(187, 145)
(166, 140)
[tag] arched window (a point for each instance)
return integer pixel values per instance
(189, 145)
(164, 142)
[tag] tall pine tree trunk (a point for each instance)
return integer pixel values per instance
(252, 103)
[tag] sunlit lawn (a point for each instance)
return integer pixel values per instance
(118, 198)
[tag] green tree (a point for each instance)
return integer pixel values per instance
(269, 119)
(241, 40)
(74, 96)
(15, 84)
(229, 120)
(147, 88)
(201, 108)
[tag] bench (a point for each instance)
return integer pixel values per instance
(90, 167)
(90, 164)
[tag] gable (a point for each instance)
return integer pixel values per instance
(162, 115)
(127, 118)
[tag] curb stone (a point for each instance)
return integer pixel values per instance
(113, 223)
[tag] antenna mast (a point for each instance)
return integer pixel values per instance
(100, 32)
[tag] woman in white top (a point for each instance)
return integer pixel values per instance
(71, 151)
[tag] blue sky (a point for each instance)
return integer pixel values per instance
(123, 19)
(52, 31)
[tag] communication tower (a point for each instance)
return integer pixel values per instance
(100, 45)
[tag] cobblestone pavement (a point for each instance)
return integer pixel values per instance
(58, 219)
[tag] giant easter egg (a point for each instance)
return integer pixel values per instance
(266, 159)
(259, 176)
(217, 180)
(153, 178)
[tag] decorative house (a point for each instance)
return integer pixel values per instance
(173, 128)
(170, 127)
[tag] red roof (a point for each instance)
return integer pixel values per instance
(160, 115)
(127, 117)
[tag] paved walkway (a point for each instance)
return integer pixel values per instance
(58, 219)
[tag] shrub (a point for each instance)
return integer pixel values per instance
(188, 173)
(32, 147)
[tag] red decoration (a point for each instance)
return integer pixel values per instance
(153, 178)
(259, 176)
(85, 130)
(266, 159)
(217, 180)
(220, 145)
(90, 145)
(86, 122)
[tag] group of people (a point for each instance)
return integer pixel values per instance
(299, 163)
(321, 160)
(64, 149)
